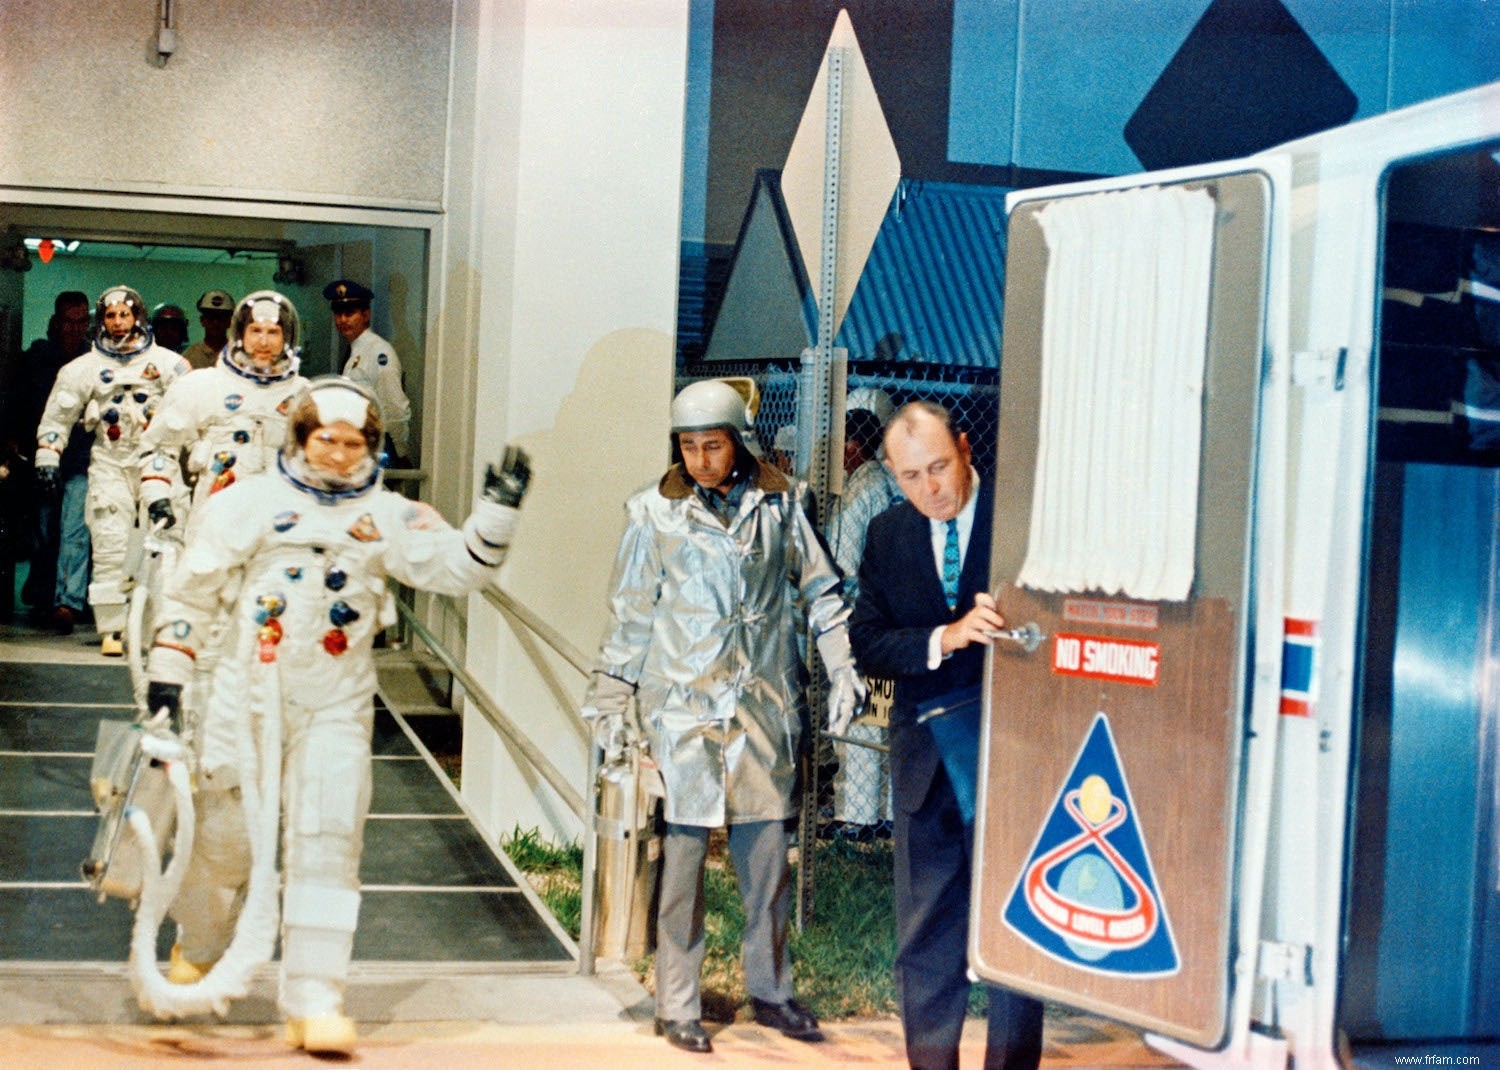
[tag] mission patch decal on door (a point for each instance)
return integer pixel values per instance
(1088, 895)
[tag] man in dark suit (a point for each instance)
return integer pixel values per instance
(924, 617)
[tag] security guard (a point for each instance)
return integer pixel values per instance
(373, 363)
(214, 310)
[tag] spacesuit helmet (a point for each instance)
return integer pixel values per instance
(332, 399)
(330, 473)
(137, 338)
(264, 306)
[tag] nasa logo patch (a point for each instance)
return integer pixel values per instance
(285, 521)
(233, 401)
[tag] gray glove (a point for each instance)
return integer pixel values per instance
(161, 695)
(606, 709)
(48, 481)
(160, 512)
(507, 484)
(846, 687)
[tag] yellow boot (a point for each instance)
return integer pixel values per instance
(323, 1034)
(111, 646)
(182, 971)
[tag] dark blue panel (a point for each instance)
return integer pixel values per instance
(1248, 77)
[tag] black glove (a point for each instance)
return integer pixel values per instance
(48, 481)
(160, 512)
(507, 484)
(160, 694)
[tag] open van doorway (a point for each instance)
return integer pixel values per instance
(1422, 920)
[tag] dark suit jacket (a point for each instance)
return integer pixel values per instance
(900, 603)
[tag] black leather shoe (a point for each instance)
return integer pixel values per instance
(790, 1018)
(687, 1035)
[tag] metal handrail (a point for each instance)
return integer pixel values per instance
(498, 719)
(586, 811)
(507, 604)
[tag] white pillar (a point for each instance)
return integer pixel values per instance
(557, 278)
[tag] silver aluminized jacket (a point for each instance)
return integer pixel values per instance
(704, 623)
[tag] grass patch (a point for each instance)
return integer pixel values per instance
(842, 959)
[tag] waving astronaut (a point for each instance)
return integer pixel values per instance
(300, 555)
(114, 389)
(230, 418)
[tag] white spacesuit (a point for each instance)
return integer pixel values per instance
(300, 556)
(229, 419)
(114, 389)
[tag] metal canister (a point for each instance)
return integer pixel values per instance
(627, 861)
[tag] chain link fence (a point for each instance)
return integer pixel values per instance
(846, 786)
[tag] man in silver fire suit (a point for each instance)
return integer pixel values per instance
(114, 389)
(300, 557)
(230, 419)
(718, 563)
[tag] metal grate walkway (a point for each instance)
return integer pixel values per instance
(438, 901)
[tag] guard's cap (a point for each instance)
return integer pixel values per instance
(216, 301)
(347, 294)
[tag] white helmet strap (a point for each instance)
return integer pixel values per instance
(339, 404)
(265, 311)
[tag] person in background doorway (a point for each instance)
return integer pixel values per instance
(924, 619)
(862, 786)
(56, 586)
(113, 389)
(717, 571)
(169, 326)
(372, 362)
(214, 309)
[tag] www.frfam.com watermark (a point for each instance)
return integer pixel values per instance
(1436, 1060)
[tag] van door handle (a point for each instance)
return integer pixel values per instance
(1028, 636)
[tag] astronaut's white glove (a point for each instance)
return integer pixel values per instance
(606, 709)
(492, 525)
(489, 530)
(846, 687)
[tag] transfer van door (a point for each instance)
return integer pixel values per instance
(1136, 542)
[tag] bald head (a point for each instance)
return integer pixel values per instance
(929, 459)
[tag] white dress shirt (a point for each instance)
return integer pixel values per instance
(939, 529)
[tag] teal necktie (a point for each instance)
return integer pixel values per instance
(950, 565)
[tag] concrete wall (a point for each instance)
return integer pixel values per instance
(339, 100)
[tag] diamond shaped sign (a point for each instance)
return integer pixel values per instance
(869, 169)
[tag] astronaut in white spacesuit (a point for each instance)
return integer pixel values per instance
(114, 389)
(300, 555)
(230, 418)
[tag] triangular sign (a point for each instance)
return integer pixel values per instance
(1087, 895)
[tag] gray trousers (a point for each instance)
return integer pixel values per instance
(758, 850)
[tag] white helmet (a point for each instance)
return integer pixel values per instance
(876, 402)
(713, 403)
